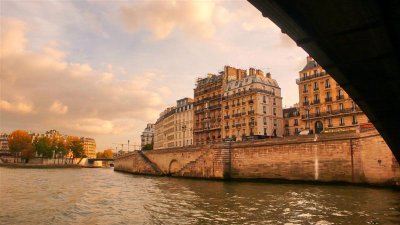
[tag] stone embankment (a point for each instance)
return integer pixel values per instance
(343, 157)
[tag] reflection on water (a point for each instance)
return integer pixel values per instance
(102, 196)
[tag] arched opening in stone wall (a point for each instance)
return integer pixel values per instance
(173, 167)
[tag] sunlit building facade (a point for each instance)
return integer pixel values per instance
(252, 105)
(324, 105)
(207, 109)
(291, 117)
(89, 147)
(4, 142)
(184, 122)
(164, 129)
(147, 136)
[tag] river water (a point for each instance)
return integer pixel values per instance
(102, 196)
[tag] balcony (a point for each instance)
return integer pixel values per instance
(251, 101)
(305, 91)
(238, 104)
(327, 86)
(243, 103)
(342, 124)
(330, 125)
(233, 105)
(333, 113)
(251, 112)
(316, 89)
(238, 125)
(306, 103)
(316, 101)
(252, 123)
(226, 117)
(227, 107)
(339, 97)
(328, 99)
(243, 113)
(315, 75)
(243, 124)
(226, 127)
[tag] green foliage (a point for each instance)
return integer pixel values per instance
(148, 147)
(75, 145)
(61, 148)
(44, 147)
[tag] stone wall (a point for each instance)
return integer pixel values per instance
(346, 157)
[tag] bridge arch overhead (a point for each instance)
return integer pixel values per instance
(357, 43)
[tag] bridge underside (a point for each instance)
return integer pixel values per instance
(357, 42)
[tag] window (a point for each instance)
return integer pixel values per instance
(265, 120)
(354, 119)
(341, 107)
(317, 112)
(274, 101)
(296, 122)
(316, 86)
(341, 121)
(330, 122)
(329, 108)
(327, 83)
(265, 131)
(274, 111)
(264, 109)
(305, 88)
(264, 99)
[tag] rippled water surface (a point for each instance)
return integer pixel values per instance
(102, 196)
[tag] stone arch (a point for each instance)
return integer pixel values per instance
(173, 167)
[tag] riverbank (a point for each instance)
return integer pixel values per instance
(38, 166)
(357, 158)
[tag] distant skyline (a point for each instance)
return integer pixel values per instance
(104, 69)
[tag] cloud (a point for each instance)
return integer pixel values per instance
(43, 85)
(161, 18)
(16, 107)
(58, 108)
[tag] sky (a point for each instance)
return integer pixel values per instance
(104, 69)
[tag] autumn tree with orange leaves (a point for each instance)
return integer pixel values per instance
(20, 143)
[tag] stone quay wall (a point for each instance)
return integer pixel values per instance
(344, 157)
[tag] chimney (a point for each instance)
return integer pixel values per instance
(268, 75)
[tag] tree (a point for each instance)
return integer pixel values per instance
(99, 155)
(20, 142)
(43, 147)
(76, 147)
(108, 154)
(148, 147)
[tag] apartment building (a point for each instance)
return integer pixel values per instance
(252, 105)
(4, 142)
(291, 117)
(147, 136)
(164, 129)
(207, 109)
(89, 147)
(324, 105)
(184, 122)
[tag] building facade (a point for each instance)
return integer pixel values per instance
(164, 129)
(291, 117)
(252, 105)
(324, 105)
(147, 137)
(89, 147)
(4, 142)
(207, 109)
(184, 122)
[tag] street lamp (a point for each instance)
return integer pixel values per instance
(128, 146)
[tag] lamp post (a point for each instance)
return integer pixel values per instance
(128, 146)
